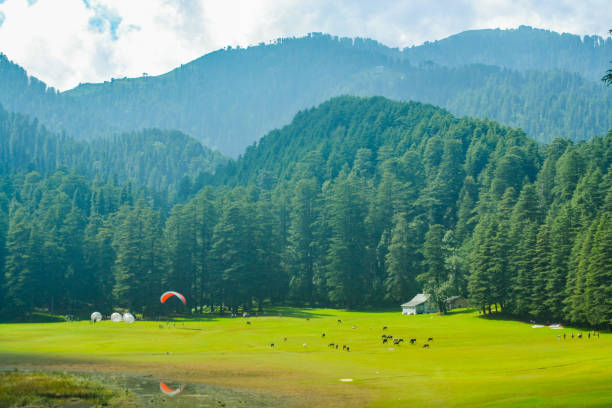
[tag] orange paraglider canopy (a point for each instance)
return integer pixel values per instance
(166, 295)
(169, 391)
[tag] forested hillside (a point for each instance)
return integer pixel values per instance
(157, 159)
(359, 202)
(230, 98)
(522, 49)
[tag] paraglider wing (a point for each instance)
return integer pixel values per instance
(169, 391)
(116, 317)
(166, 295)
(96, 316)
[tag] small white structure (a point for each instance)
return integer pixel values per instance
(419, 304)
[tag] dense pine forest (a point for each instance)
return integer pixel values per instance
(360, 202)
(164, 161)
(231, 97)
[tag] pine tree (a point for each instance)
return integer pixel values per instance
(402, 262)
(345, 267)
(598, 291)
(435, 277)
(300, 257)
(541, 267)
(561, 242)
(22, 249)
(575, 303)
(480, 281)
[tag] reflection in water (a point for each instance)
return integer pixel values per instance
(144, 392)
(169, 391)
(147, 389)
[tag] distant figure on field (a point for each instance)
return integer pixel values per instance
(563, 336)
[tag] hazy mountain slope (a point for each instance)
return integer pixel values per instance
(155, 158)
(229, 98)
(545, 104)
(523, 49)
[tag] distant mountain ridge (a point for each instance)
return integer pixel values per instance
(522, 49)
(231, 97)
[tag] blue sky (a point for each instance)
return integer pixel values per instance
(65, 42)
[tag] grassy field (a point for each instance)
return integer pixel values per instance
(471, 362)
(36, 389)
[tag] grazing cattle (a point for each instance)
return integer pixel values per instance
(347, 348)
(271, 344)
(396, 341)
(248, 322)
(285, 339)
(331, 345)
(412, 341)
(384, 340)
(344, 347)
(323, 335)
(384, 327)
(400, 340)
(384, 336)
(336, 347)
(389, 336)
(339, 321)
(308, 318)
(430, 339)
(425, 345)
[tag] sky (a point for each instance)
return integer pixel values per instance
(67, 42)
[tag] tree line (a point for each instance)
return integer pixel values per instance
(359, 202)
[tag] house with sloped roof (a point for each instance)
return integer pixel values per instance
(421, 303)
(456, 302)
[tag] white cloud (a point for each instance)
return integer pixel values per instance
(64, 42)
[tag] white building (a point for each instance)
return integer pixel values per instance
(421, 303)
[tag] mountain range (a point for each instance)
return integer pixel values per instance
(543, 82)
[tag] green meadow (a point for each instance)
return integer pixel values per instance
(472, 361)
